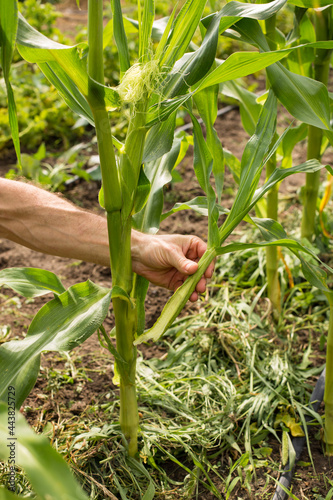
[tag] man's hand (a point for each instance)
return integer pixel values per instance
(167, 260)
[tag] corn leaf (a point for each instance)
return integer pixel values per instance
(176, 303)
(306, 99)
(61, 324)
(120, 36)
(146, 26)
(315, 276)
(159, 139)
(31, 282)
(198, 204)
(206, 102)
(237, 65)
(192, 67)
(311, 4)
(248, 106)
(8, 29)
(182, 31)
(47, 471)
(203, 164)
(273, 231)
(164, 31)
(8, 495)
(159, 174)
(252, 163)
(180, 297)
(67, 89)
(37, 48)
(233, 164)
(292, 137)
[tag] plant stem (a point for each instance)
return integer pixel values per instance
(311, 184)
(126, 323)
(273, 283)
(321, 70)
(119, 231)
(328, 395)
(95, 40)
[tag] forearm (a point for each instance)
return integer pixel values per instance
(49, 224)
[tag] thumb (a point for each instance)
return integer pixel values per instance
(182, 264)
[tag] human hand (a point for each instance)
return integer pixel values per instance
(167, 260)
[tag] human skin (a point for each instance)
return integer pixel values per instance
(47, 223)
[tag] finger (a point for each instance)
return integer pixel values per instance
(194, 297)
(201, 286)
(177, 284)
(210, 269)
(196, 249)
(181, 263)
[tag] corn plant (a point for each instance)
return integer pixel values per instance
(294, 90)
(43, 465)
(169, 73)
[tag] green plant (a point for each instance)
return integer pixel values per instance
(53, 177)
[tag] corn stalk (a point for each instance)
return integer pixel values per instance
(315, 135)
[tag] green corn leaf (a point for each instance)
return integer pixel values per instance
(300, 61)
(303, 97)
(269, 228)
(292, 137)
(182, 31)
(180, 297)
(278, 175)
(203, 164)
(60, 325)
(142, 192)
(164, 33)
(8, 30)
(252, 10)
(198, 204)
(31, 282)
(141, 285)
(176, 303)
(273, 231)
(37, 48)
(233, 164)
(315, 275)
(252, 163)
(146, 26)
(159, 139)
(47, 471)
(310, 4)
(234, 11)
(237, 65)
(108, 34)
(120, 36)
(67, 89)
(159, 174)
(206, 102)
(248, 106)
(293, 245)
(192, 67)
(8, 495)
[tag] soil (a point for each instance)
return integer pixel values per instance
(39, 407)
